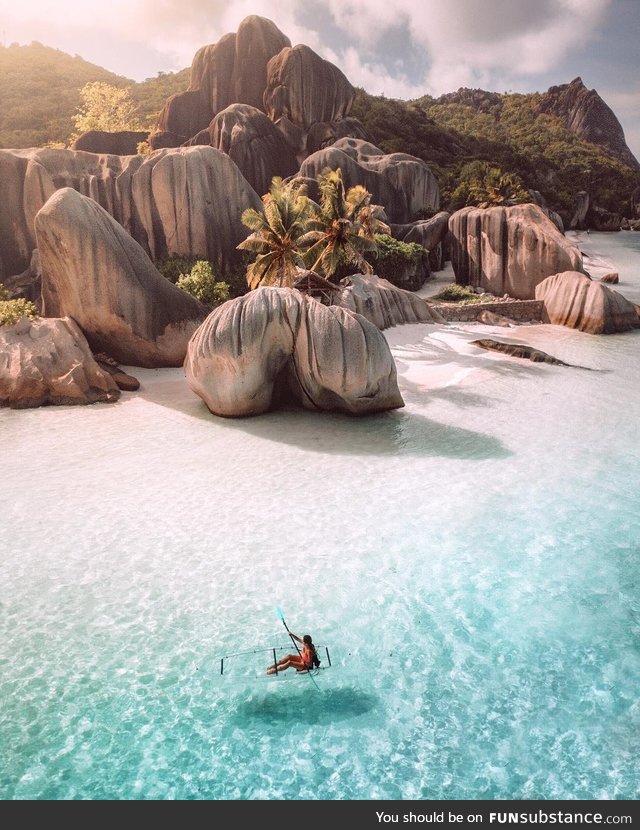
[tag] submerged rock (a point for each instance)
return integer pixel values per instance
(48, 361)
(518, 350)
(277, 344)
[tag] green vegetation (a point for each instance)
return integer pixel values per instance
(454, 293)
(484, 185)
(392, 256)
(105, 107)
(201, 283)
(294, 232)
(342, 228)
(40, 93)
(276, 234)
(531, 149)
(12, 310)
(174, 266)
(196, 277)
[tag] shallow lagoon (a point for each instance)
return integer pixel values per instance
(471, 561)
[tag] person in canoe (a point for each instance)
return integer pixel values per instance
(305, 660)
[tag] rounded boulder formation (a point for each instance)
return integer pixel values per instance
(508, 250)
(93, 271)
(573, 299)
(279, 345)
(49, 362)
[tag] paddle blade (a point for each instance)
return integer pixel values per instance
(280, 612)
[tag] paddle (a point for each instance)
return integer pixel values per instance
(284, 622)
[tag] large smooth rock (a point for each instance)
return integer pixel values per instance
(573, 299)
(183, 115)
(305, 88)
(382, 303)
(402, 184)
(48, 361)
(508, 250)
(277, 343)
(93, 271)
(187, 201)
(255, 145)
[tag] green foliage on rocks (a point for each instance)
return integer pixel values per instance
(393, 256)
(454, 293)
(202, 284)
(12, 310)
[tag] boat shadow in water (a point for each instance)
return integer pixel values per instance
(306, 705)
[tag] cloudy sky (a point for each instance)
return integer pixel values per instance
(402, 48)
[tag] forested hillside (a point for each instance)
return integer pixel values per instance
(508, 131)
(40, 92)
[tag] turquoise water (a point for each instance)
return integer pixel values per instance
(472, 561)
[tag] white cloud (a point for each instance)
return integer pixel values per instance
(462, 42)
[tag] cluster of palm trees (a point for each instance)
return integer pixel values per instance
(295, 233)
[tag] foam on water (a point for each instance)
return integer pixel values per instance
(471, 560)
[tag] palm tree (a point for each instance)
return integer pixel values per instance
(342, 227)
(276, 233)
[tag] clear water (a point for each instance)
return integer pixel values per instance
(472, 561)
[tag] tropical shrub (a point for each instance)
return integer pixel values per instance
(393, 257)
(175, 265)
(201, 283)
(12, 310)
(454, 293)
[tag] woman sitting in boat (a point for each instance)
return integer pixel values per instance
(305, 660)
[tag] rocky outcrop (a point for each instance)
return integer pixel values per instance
(584, 112)
(430, 233)
(231, 71)
(604, 220)
(508, 250)
(309, 99)
(538, 199)
(382, 303)
(305, 88)
(49, 362)
(402, 184)
(93, 271)
(183, 115)
(573, 299)
(579, 218)
(635, 202)
(611, 279)
(123, 143)
(187, 201)
(124, 381)
(278, 345)
(325, 133)
(252, 141)
(478, 99)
